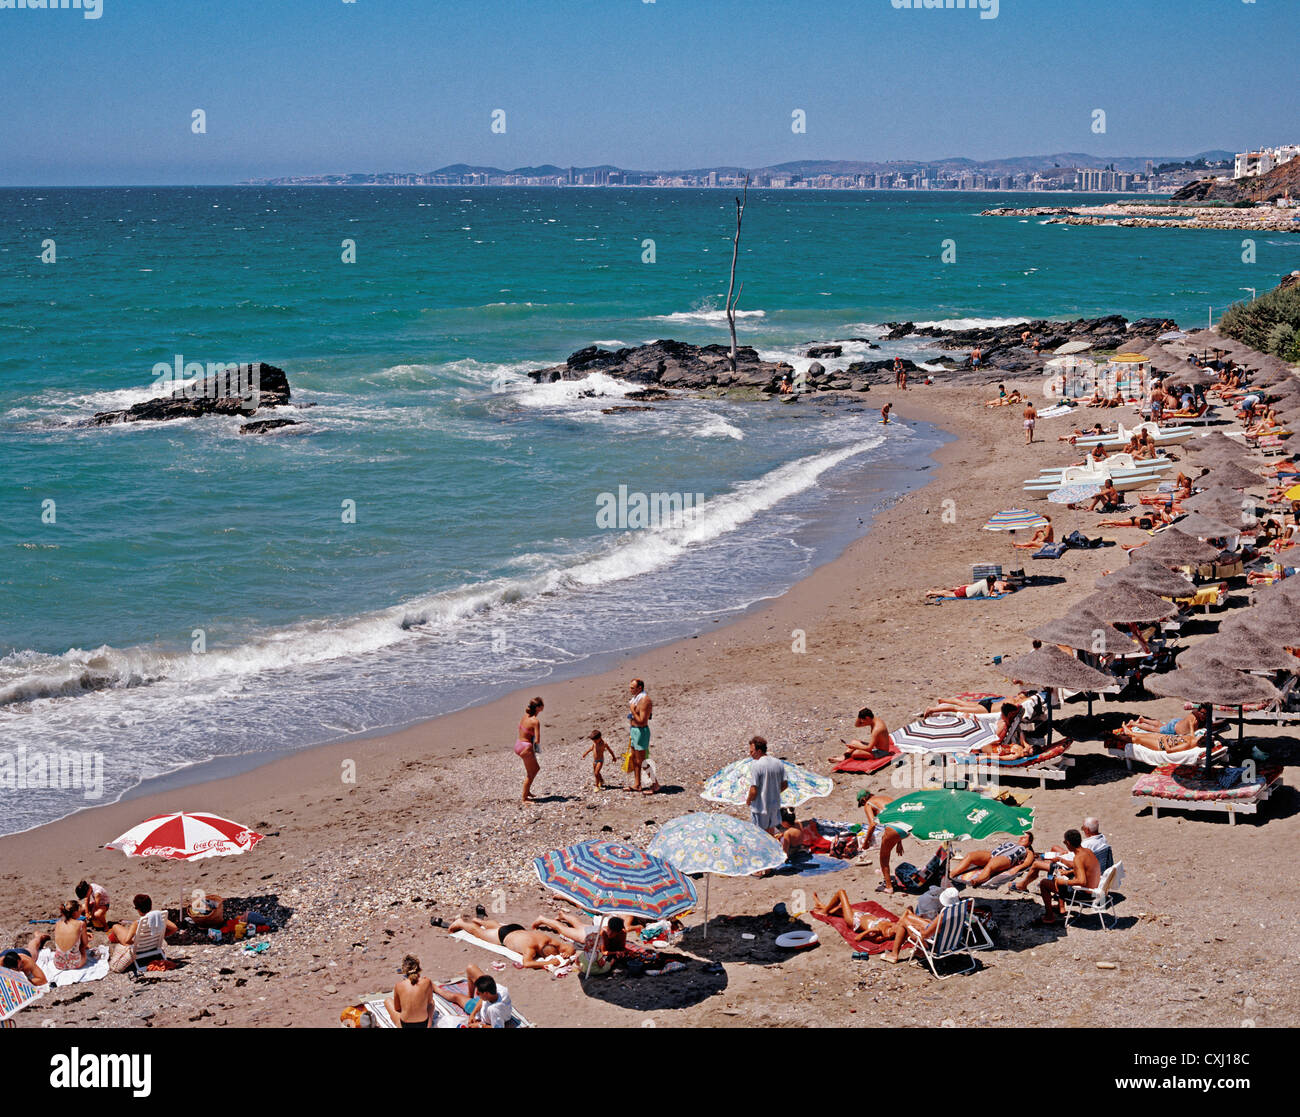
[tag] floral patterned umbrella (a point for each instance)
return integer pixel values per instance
(732, 783)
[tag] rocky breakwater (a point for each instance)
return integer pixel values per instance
(1008, 350)
(230, 390)
(667, 364)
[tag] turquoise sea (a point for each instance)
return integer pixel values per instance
(199, 593)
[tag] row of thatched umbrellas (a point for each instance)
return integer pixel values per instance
(1213, 672)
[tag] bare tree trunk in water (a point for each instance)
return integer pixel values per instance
(735, 252)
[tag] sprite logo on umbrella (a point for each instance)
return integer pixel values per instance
(943, 815)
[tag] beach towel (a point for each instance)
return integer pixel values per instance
(1157, 758)
(1053, 412)
(866, 767)
(817, 865)
(870, 907)
(96, 967)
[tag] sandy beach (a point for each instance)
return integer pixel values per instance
(432, 824)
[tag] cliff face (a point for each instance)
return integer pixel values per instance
(1278, 182)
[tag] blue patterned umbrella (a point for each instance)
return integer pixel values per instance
(612, 878)
(1072, 494)
(705, 842)
(731, 784)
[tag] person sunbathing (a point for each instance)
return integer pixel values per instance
(1147, 521)
(538, 949)
(1010, 743)
(1007, 400)
(983, 588)
(71, 938)
(22, 957)
(1090, 432)
(1108, 498)
(1170, 743)
(566, 926)
(1043, 536)
(1268, 423)
(1188, 723)
(877, 745)
(981, 865)
(411, 1004)
(924, 928)
(862, 925)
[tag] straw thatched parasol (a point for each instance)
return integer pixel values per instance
(1175, 548)
(1204, 525)
(1218, 497)
(1086, 632)
(1215, 439)
(1150, 576)
(1276, 623)
(1242, 650)
(1210, 457)
(1288, 589)
(1212, 683)
(1232, 476)
(1125, 603)
(1050, 667)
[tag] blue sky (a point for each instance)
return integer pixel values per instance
(315, 86)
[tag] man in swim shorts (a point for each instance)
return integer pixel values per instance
(640, 710)
(538, 949)
(1030, 416)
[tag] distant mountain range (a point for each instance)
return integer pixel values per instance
(810, 168)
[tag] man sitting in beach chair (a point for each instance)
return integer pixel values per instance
(538, 949)
(1085, 872)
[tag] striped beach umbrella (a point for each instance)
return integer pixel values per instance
(1015, 519)
(16, 993)
(944, 733)
(181, 836)
(731, 784)
(614, 878)
(711, 842)
(1072, 494)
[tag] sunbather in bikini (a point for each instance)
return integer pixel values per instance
(862, 926)
(984, 864)
(1188, 723)
(1044, 535)
(1159, 742)
(1156, 517)
(539, 949)
(1010, 743)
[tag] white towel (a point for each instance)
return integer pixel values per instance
(496, 948)
(95, 968)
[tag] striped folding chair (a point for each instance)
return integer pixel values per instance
(952, 937)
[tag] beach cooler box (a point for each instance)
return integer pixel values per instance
(981, 570)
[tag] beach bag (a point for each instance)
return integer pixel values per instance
(627, 761)
(844, 846)
(354, 1016)
(119, 958)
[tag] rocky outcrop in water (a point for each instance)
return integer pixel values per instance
(236, 390)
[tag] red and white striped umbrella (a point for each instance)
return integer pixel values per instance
(180, 836)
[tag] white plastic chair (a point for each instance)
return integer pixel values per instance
(1096, 901)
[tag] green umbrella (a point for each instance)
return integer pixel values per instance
(944, 815)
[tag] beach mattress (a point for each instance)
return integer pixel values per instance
(1188, 784)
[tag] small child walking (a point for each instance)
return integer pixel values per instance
(599, 747)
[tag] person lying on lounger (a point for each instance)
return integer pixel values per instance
(1044, 535)
(983, 588)
(1189, 723)
(539, 949)
(981, 865)
(1010, 743)
(1158, 742)
(862, 926)
(875, 747)
(1088, 432)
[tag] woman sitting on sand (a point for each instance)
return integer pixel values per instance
(71, 938)
(862, 926)
(985, 864)
(1004, 399)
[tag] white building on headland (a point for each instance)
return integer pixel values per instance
(1251, 164)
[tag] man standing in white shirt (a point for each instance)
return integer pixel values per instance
(766, 783)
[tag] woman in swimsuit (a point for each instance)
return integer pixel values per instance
(71, 938)
(863, 926)
(985, 864)
(411, 1005)
(529, 745)
(23, 959)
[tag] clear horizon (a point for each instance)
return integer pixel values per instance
(344, 87)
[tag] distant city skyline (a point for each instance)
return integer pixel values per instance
(306, 87)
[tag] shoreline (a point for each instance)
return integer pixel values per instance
(432, 823)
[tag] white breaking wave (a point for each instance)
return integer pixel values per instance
(971, 323)
(706, 315)
(562, 393)
(29, 676)
(716, 426)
